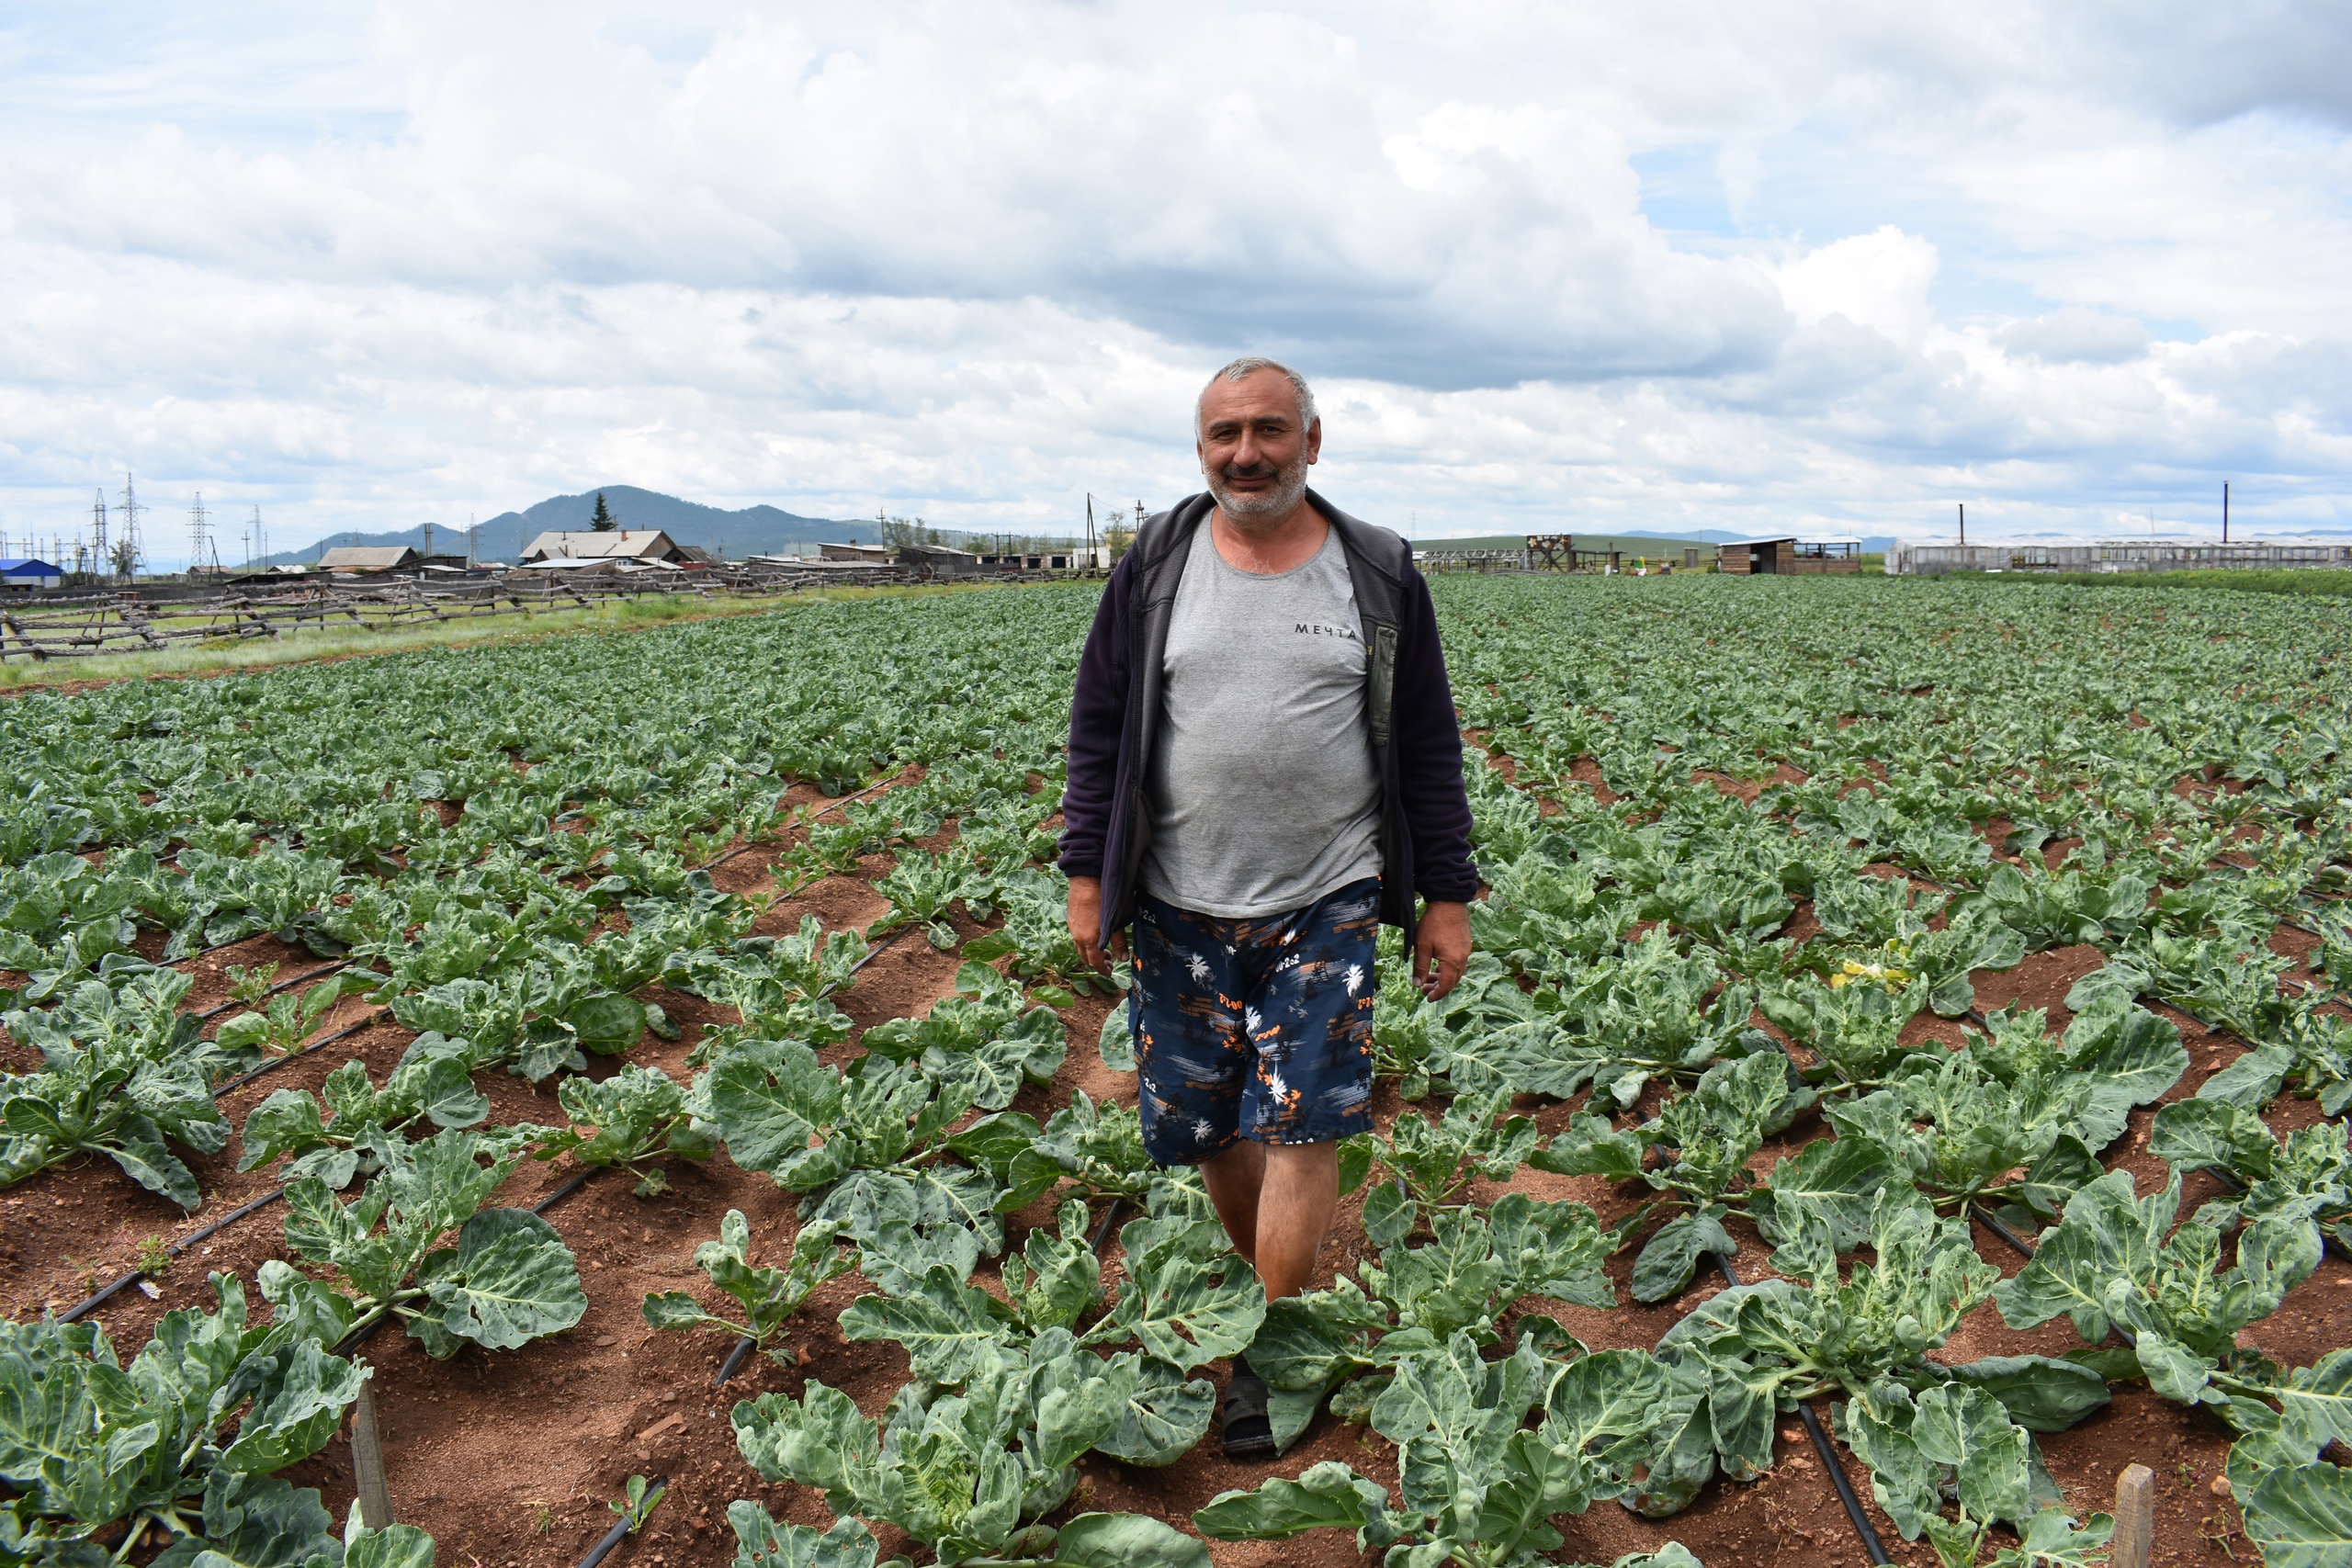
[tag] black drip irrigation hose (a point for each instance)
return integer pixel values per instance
(1986, 1217)
(567, 1190)
(735, 1359)
(871, 955)
(173, 1251)
(2327, 1238)
(1871, 1545)
(744, 848)
(876, 949)
(1103, 1231)
(1992, 1222)
(213, 1013)
(271, 1065)
(1864, 1530)
(619, 1532)
(208, 952)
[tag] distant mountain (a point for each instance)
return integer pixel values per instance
(753, 530)
(443, 542)
(1702, 535)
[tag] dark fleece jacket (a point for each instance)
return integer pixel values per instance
(1417, 745)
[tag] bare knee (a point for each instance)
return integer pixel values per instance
(1302, 1162)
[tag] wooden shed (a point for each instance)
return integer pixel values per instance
(1789, 557)
(608, 544)
(367, 558)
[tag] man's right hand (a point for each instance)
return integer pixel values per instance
(1086, 924)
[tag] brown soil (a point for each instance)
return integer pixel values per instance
(508, 1459)
(1746, 790)
(1587, 772)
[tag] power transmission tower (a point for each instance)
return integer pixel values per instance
(98, 527)
(261, 541)
(199, 534)
(128, 552)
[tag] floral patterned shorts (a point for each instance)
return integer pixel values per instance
(1255, 1029)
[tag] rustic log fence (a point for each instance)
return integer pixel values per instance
(127, 622)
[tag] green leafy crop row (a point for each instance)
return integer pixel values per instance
(1753, 849)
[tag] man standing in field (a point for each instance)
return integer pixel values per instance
(1264, 767)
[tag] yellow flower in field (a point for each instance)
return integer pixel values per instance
(1886, 974)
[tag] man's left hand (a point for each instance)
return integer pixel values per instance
(1440, 948)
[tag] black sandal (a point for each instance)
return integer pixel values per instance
(1249, 1433)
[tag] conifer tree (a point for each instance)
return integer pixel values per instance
(603, 522)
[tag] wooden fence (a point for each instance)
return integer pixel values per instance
(126, 623)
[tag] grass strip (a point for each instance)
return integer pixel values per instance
(228, 654)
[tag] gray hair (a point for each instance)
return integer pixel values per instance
(1248, 365)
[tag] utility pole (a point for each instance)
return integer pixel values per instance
(1963, 524)
(128, 551)
(198, 533)
(2226, 512)
(428, 541)
(473, 541)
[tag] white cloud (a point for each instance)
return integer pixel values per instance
(1877, 280)
(368, 267)
(2075, 335)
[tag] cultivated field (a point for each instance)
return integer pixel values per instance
(1848, 939)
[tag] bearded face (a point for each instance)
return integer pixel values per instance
(1260, 499)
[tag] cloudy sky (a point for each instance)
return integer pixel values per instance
(1828, 269)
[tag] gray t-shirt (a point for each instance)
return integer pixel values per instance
(1262, 792)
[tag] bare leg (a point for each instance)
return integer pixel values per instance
(1300, 1193)
(1276, 1202)
(1233, 1176)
